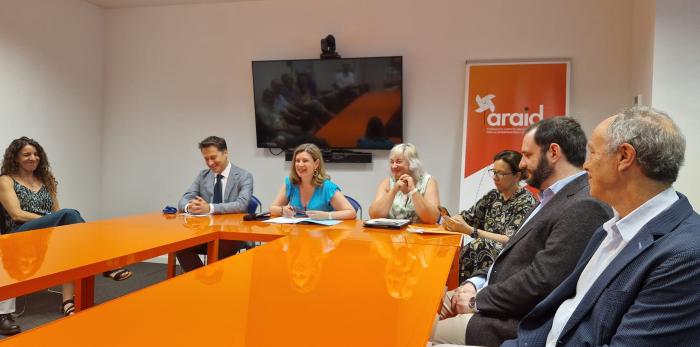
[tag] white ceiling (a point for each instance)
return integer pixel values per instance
(142, 3)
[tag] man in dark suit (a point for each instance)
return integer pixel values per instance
(486, 309)
(638, 281)
(222, 188)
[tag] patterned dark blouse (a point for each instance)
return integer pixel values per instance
(40, 203)
(493, 214)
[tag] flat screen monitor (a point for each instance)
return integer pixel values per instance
(351, 103)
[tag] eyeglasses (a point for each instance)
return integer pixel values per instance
(499, 174)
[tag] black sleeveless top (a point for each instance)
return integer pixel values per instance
(40, 203)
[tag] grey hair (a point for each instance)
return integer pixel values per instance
(409, 152)
(659, 144)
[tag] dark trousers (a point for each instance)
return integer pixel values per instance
(189, 258)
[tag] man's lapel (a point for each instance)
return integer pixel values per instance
(567, 288)
(208, 189)
(568, 191)
(659, 226)
(230, 182)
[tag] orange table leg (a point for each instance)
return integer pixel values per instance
(453, 277)
(170, 272)
(212, 251)
(84, 293)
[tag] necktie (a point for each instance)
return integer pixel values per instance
(217, 190)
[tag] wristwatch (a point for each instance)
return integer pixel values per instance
(472, 303)
(475, 233)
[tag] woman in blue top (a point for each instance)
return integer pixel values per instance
(308, 189)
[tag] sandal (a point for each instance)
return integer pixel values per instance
(68, 307)
(118, 274)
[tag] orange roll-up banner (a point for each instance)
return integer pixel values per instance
(502, 98)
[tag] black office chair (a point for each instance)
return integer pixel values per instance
(2, 220)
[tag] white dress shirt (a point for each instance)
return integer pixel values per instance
(620, 232)
(545, 196)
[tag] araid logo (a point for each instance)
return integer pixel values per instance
(502, 100)
(515, 119)
(485, 103)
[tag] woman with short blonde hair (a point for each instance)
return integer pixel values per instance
(409, 192)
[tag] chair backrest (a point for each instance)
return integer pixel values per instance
(2, 220)
(254, 204)
(356, 205)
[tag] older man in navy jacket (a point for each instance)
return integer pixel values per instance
(638, 281)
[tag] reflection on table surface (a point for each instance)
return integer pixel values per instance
(309, 285)
(404, 263)
(23, 254)
(312, 288)
(233, 224)
(37, 259)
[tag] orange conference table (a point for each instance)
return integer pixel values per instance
(43, 258)
(39, 259)
(315, 286)
(232, 227)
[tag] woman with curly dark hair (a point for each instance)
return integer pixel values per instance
(29, 201)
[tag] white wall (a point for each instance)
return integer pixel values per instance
(176, 74)
(643, 12)
(676, 83)
(51, 90)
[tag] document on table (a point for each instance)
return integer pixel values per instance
(428, 230)
(285, 220)
(437, 231)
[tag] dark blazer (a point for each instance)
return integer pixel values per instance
(237, 193)
(649, 295)
(534, 261)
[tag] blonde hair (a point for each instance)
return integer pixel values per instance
(315, 153)
(410, 153)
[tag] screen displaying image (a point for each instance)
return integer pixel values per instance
(338, 103)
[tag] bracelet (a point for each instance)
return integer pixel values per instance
(330, 216)
(412, 191)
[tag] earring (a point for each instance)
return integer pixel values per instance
(316, 173)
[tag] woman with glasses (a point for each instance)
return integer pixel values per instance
(494, 219)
